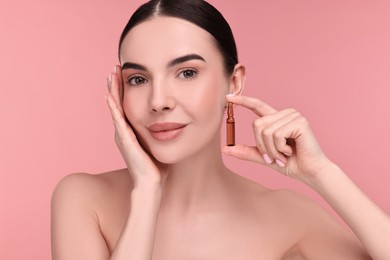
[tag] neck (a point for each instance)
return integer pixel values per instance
(196, 179)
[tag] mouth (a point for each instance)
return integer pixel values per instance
(167, 131)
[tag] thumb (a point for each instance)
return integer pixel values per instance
(244, 152)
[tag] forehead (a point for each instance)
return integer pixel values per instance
(165, 38)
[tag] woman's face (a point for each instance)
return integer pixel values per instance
(174, 87)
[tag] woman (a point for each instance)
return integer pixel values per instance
(176, 199)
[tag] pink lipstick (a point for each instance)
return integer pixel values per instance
(167, 131)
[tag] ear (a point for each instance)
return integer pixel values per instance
(237, 79)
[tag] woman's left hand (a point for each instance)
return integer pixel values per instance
(284, 141)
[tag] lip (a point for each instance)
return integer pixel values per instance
(166, 131)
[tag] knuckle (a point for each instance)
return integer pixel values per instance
(290, 110)
(278, 134)
(296, 114)
(268, 132)
(303, 121)
(293, 111)
(257, 123)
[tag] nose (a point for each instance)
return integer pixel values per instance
(161, 99)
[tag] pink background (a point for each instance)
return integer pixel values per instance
(328, 59)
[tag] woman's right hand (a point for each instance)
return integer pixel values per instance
(144, 170)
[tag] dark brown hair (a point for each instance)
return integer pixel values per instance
(198, 12)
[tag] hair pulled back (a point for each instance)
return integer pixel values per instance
(198, 12)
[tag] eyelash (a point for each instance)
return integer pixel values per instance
(194, 71)
(135, 77)
(180, 75)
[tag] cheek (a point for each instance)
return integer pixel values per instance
(133, 106)
(208, 99)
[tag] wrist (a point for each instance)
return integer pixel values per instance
(145, 201)
(146, 192)
(323, 172)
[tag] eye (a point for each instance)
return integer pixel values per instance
(136, 81)
(188, 74)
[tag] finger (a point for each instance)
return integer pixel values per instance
(262, 128)
(115, 113)
(118, 71)
(257, 129)
(115, 91)
(259, 107)
(119, 122)
(294, 130)
(248, 153)
(283, 147)
(292, 134)
(275, 141)
(243, 152)
(130, 148)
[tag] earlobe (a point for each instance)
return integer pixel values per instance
(237, 81)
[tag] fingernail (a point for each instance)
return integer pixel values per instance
(230, 95)
(114, 70)
(267, 159)
(280, 163)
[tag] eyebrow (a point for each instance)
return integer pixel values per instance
(130, 65)
(182, 59)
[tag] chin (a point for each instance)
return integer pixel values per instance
(164, 153)
(165, 160)
(167, 155)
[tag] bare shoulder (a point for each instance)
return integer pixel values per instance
(321, 236)
(79, 207)
(303, 212)
(92, 194)
(296, 202)
(279, 198)
(291, 209)
(116, 177)
(84, 186)
(303, 228)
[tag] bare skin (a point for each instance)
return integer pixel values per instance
(176, 199)
(241, 220)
